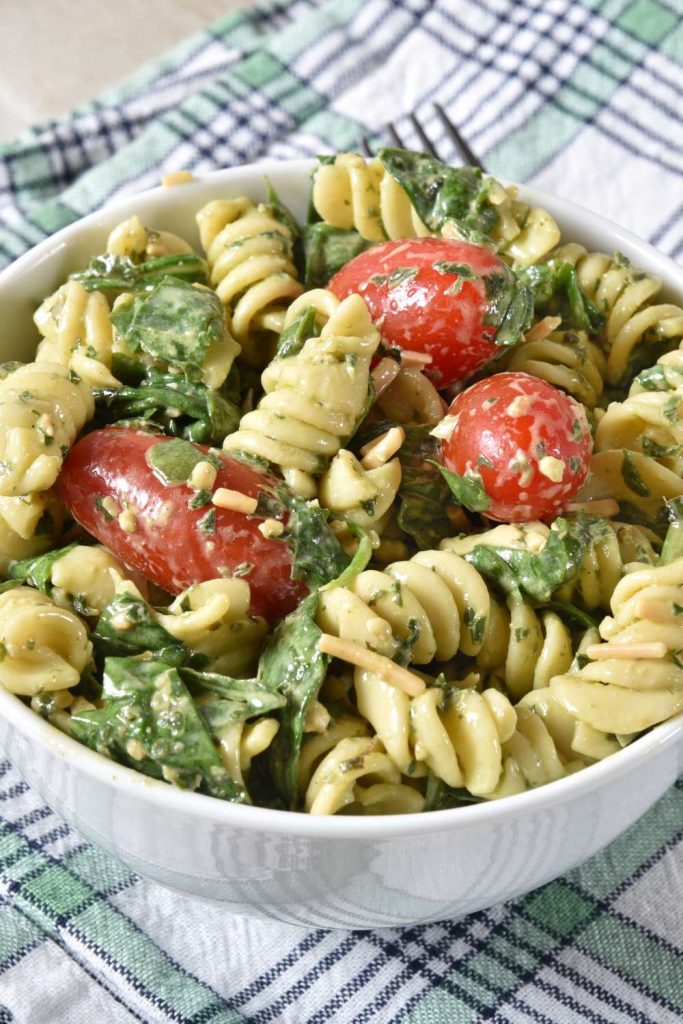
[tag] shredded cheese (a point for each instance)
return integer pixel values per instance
(389, 671)
(235, 500)
(410, 358)
(604, 652)
(384, 374)
(543, 328)
(657, 611)
(379, 451)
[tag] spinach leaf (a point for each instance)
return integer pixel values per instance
(173, 322)
(440, 193)
(181, 407)
(540, 575)
(173, 460)
(110, 273)
(150, 722)
(37, 572)
(673, 542)
(281, 212)
(127, 627)
(318, 557)
(468, 490)
(442, 797)
(326, 250)
(293, 665)
(250, 696)
(556, 292)
(294, 337)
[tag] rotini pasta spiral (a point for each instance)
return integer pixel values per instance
(132, 239)
(42, 408)
(85, 577)
(362, 495)
(333, 783)
(650, 422)
(29, 525)
(351, 192)
(634, 679)
(240, 742)
(77, 333)
(313, 400)
(566, 359)
(249, 253)
(44, 647)
(627, 298)
(437, 604)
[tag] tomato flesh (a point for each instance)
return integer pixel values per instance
(529, 443)
(420, 302)
(168, 545)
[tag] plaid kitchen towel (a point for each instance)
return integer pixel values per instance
(582, 98)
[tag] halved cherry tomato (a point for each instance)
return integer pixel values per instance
(171, 543)
(436, 296)
(527, 442)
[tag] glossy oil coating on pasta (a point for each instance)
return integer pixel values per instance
(439, 658)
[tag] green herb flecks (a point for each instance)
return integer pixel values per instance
(397, 277)
(294, 337)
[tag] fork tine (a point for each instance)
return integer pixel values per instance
(395, 137)
(463, 147)
(365, 146)
(423, 137)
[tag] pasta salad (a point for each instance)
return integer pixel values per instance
(379, 513)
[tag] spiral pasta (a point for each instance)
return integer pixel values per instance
(77, 333)
(566, 359)
(132, 239)
(634, 679)
(437, 604)
(29, 525)
(351, 192)
(250, 258)
(627, 298)
(42, 408)
(85, 577)
(650, 422)
(313, 400)
(44, 647)
(362, 495)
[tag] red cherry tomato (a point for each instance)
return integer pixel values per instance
(429, 295)
(528, 442)
(170, 545)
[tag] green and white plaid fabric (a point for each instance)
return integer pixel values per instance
(582, 98)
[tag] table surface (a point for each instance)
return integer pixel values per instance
(56, 55)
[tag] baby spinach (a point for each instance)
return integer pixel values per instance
(440, 193)
(556, 292)
(540, 574)
(110, 273)
(326, 250)
(439, 796)
(174, 322)
(293, 665)
(37, 572)
(181, 407)
(468, 490)
(673, 541)
(294, 337)
(149, 721)
(127, 627)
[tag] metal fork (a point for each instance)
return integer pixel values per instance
(467, 153)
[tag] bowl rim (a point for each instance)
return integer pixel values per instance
(263, 819)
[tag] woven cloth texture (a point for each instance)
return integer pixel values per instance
(580, 98)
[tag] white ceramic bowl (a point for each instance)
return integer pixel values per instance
(341, 872)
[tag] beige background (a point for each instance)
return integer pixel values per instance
(55, 54)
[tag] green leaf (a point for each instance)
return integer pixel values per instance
(327, 250)
(109, 273)
(442, 797)
(673, 542)
(440, 193)
(127, 627)
(174, 322)
(294, 337)
(252, 697)
(150, 722)
(170, 400)
(468, 490)
(556, 292)
(423, 494)
(173, 460)
(317, 555)
(293, 665)
(515, 570)
(37, 572)
(281, 212)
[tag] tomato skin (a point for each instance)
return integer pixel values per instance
(419, 312)
(167, 546)
(505, 426)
